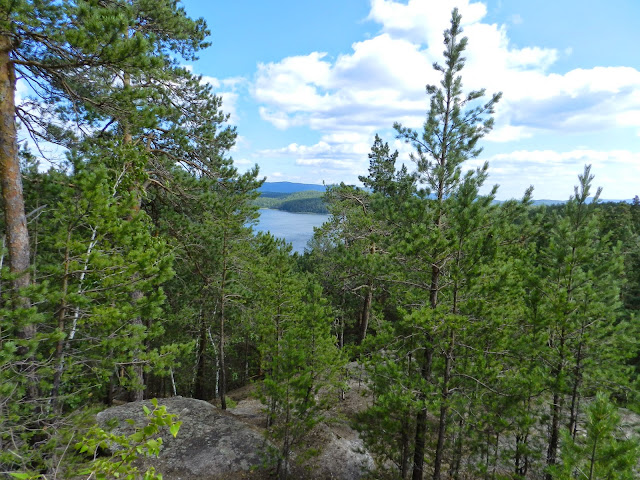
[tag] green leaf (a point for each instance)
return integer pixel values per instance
(146, 410)
(175, 428)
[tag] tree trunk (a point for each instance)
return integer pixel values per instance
(405, 449)
(554, 436)
(456, 462)
(418, 452)
(522, 443)
(137, 295)
(444, 409)
(199, 390)
(62, 313)
(223, 373)
(421, 418)
(366, 313)
(518, 454)
(577, 379)
(556, 408)
(65, 344)
(223, 376)
(137, 393)
(12, 195)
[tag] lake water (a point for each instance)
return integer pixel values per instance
(295, 228)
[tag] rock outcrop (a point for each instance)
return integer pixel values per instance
(342, 454)
(211, 444)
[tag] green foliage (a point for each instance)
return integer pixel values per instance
(72, 462)
(601, 450)
(441, 244)
(98, 266)
(128, 448)
(471, 318)
(309, 201)
(574, 307)
(451, 131)
(298, 354)
(211, 236)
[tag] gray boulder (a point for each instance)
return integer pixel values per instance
(211, 444)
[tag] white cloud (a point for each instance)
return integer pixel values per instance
(508, 133)
(243, 162)
(343, 152)
(553, 174)
(227, 89)
(516, 19)
(362, 91)
(382, 80)
(423, 21)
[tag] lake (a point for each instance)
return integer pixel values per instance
(295, 228)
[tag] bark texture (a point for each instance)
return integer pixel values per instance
(12, 196)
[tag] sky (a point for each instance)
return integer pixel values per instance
(309, 83)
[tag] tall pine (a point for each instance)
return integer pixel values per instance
(455, 123)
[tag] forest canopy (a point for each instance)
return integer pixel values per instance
(498, 338)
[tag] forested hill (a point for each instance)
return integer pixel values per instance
(588, 200)
(308, 201)
(490, 340)
(307, 197)
(289, 187)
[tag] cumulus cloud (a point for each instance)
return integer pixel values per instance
(553, 174)
(423, 21)
(360, 91)
(228, 90)
(243, 162)
(382, 80)
(339, 152)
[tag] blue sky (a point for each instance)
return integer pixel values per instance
(309, 84)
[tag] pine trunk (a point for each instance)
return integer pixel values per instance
(16, 231)
(444, 410)
(62, 313)
(421, 419)
(405, 449)
(366, 313)
(223, 373)
(554, 437)
(556, 407)
(199, 390)
(12, 196)
(577, 380)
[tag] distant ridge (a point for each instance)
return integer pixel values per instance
(290, 187)
(589, 200)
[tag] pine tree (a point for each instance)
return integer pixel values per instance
(348, 236)
(601, 451)
(81, 75)
(211, 234)
(575, 307)
(89, 247)
(298, 354)
(449, 138)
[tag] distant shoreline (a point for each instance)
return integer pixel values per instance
(293, 213)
